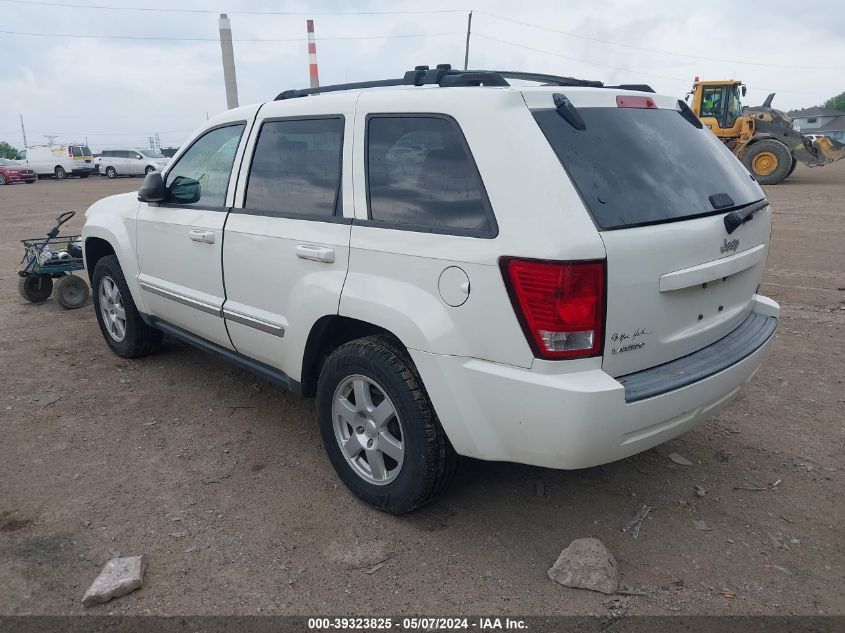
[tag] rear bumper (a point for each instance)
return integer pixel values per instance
(577, 419)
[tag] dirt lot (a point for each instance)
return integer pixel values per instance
(221, 481)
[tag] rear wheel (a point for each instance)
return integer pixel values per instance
(770, 161)
(71, 292)
(379, 428)
(60, 173)
(150, 169)
(120, 321)
(35, 289)
(111, 172)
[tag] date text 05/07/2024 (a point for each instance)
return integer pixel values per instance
(418, 623)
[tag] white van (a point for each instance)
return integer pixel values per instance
(59, 161)
(130, 162)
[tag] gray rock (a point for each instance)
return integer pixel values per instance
(586, 564)
(119, 577)
(680, 459)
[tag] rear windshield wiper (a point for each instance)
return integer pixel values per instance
(735, 219)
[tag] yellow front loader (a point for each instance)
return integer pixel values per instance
(760, 136)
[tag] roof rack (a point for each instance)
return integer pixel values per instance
(445, 76)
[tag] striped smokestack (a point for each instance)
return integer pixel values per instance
(312, 56)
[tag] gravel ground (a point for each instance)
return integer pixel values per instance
(220, 480)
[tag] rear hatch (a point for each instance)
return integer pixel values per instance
(658, 187)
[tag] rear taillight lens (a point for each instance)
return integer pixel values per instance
(560, 305)
(70, 152)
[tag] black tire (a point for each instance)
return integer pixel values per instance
(71, 292)
(792, 168)
(29, 182)
(34, 288)
(84, 175)
(3, 179)
(429, 461)
(772, 148)
(111, 172)
(150, 169)
(139, 339)
(59, 172)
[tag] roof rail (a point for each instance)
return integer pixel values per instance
(445, 76)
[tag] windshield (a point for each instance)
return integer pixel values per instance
(635, 166)
(151, 153)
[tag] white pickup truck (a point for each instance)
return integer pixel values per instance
(560, 275)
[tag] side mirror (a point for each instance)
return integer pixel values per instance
(183, 190)
(138, 157)
(743, 91)
(153, 189)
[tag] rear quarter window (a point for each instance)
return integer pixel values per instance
(637, 166)
(421, 176)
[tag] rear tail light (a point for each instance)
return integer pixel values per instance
(560, 305)
(70, 152)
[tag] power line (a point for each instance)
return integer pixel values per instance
(656, 50)
(576, 59)
(215, 39)
(208, 11)
(628, 70)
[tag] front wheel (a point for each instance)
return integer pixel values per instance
(120, 321)
(3, 179)
(379, 428)
(71, 292)
(769, 160)
(60, 173)
(150, 169)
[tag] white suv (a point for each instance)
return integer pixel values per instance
(560, 275)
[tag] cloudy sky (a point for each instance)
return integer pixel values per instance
(138, 72)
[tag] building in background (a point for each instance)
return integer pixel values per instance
(818, 120)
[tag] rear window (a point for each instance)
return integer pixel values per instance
(636, 166)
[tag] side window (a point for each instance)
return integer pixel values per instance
(296, 168)
(712, 102)
(202, 173)
(420, 173)
(77, 151)
(22, 155)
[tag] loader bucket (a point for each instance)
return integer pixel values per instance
(828, 149)
(821, 151)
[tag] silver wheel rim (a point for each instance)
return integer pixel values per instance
(112, 309)
(368, 430)
(60, 173)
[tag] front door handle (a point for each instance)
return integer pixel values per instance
(315, 253)
(202, 236)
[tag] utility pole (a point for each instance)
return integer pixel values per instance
(23, 131)
(228, 52)
(469, 30)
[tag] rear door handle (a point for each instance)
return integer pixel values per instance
(315, 253)
(202, 236)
